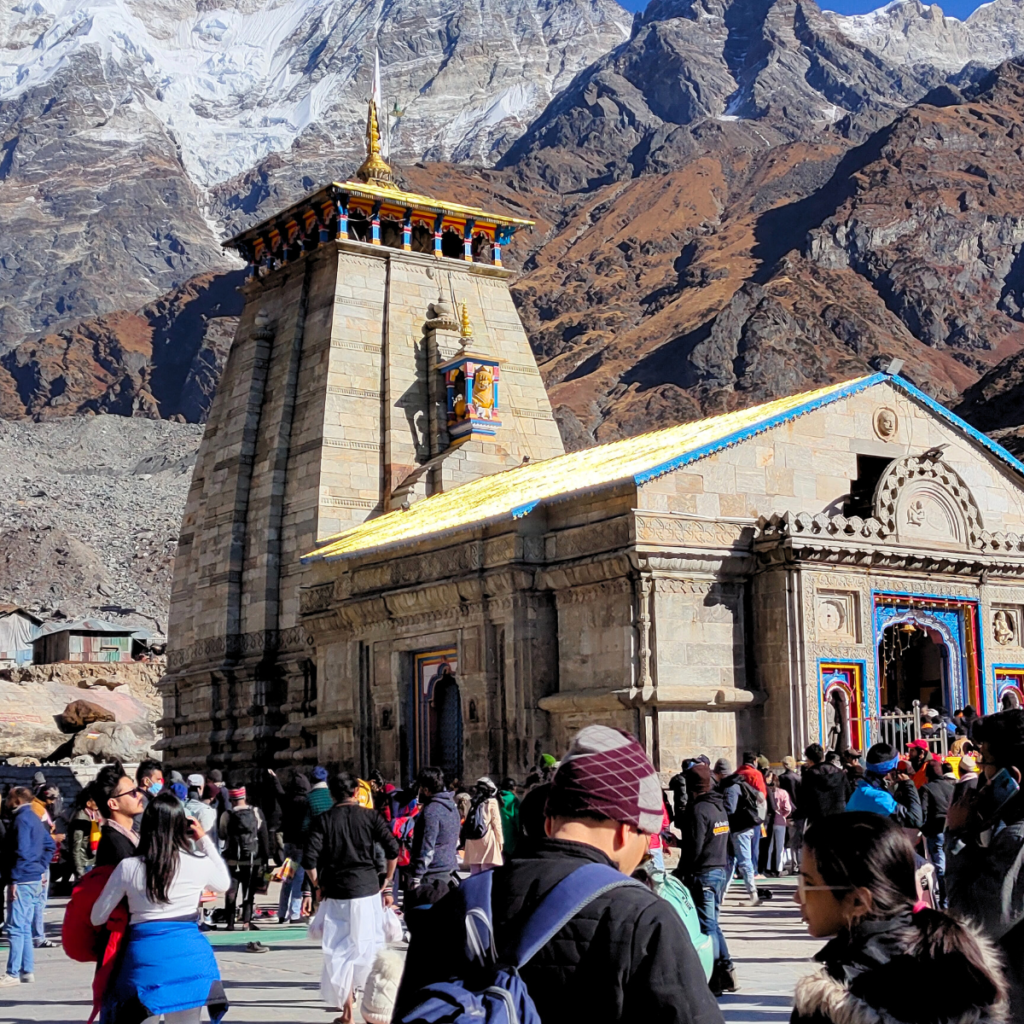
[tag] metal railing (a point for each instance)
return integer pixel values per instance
(899, 728)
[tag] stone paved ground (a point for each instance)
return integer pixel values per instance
(768, 943)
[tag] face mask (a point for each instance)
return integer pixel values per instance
(154, 788)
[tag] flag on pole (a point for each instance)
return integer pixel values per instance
(379, 104)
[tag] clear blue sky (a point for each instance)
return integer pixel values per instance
(955, 8)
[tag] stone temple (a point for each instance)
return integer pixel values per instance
(388, 560)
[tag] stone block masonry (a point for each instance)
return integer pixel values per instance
(325, 410)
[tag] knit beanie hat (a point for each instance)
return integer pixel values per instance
(176, 776)
(548, 760)
(606, 772)
(382, 986)
(320, 773)
(216, 775)
(789, 762)
(698, 779)
(722, 767)
(968, 764)
(179, 790)
(882, 759)
(195, 780)
(763, 762)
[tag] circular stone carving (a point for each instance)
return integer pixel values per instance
(886, 423)
(831, 616)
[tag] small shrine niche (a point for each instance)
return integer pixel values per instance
(472, 382)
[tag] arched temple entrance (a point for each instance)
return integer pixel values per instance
(916, 663)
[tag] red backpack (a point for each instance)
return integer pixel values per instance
(402, 828)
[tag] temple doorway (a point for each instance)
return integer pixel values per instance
(438, 714)
(913, 661)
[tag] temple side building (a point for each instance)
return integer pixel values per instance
(388, 560)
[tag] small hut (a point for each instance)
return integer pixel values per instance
(17, 629)
(82, 640)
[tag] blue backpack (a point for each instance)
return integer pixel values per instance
(505, 1000)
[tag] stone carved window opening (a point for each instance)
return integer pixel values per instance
(925, 501)
(452, 244)
(861, 501)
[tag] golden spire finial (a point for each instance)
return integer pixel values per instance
(466, 330)
(375, 169)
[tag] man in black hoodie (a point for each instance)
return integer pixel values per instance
(704, 865)
(822, 787)
(433, 859)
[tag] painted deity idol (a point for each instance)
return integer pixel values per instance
(483, 392)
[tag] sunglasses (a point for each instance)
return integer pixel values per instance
(127, 792)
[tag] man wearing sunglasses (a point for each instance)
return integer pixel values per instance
(119, 800)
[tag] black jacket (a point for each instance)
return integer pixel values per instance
(790, 782)
(822, 792)
(935, 800)
(881, 974)
(340, 847)
(677, 787)
(705, 835)
(625, 957)
(435, 838)
(114, 847)
(295, 811)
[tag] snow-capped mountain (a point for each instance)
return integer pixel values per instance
(232, 82)
(907, 32)
(124, 122)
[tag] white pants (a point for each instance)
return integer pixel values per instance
(353, 933)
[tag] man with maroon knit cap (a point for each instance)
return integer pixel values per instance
(625, 957)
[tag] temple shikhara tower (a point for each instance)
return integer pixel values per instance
(379, 360)
(388, 560)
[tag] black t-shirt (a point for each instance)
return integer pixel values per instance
(340, 847)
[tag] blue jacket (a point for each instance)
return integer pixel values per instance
(435, 838)
(871, 798)
(28, 847)
(904, 805)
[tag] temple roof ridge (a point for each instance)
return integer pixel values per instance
(516, 492)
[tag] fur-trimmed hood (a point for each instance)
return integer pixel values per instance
(883, 975)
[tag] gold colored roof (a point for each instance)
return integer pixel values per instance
(516, 491)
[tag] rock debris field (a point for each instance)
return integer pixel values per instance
(90, 510)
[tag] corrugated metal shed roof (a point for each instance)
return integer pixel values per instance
(92, 626)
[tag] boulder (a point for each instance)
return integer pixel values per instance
(108, 741)
(80, 713)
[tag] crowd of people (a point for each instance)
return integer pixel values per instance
(908, 861)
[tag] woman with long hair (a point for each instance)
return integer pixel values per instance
(892, 959)
(168, 966)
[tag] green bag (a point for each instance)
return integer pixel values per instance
(669, 888)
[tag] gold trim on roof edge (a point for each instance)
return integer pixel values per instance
(501, 495)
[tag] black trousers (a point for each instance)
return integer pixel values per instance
(245, 877)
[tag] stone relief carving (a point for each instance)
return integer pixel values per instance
(886, 423)
(594, 591)
(316, 599)
(679, 530)
(836, 616)
(1004, 627)
(922, 499)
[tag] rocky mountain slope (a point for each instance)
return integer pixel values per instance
(195, 94)
(90, 509)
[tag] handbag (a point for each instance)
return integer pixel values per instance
(392, 925)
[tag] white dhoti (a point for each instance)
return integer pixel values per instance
(353, 932)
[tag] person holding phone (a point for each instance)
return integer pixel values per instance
(168, 966)
(985, 846)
